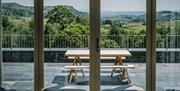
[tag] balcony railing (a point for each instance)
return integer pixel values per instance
(82, 41)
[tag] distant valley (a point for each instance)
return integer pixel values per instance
(14, 9)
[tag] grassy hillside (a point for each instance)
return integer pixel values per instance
(14, 9)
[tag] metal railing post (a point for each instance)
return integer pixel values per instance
(11, 41)
(127, 42)
(49, 41)
(166, 41)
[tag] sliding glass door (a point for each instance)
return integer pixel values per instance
(168, 45)
(123, 43)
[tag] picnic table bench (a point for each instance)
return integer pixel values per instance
(122, 69)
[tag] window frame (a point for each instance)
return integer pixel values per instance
(94, 46)
(151, 45)
(38, 45)
(1, 55)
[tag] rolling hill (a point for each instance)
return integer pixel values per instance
(15, 9)
(18, 10)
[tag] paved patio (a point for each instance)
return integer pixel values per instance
(20, 75)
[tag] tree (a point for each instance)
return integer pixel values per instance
(115, 27)
(74, 36)
(60, 18)
(65, 27)
(8, 27)
(31, 26)
(5, 22)
(115, 32)
(108, 21)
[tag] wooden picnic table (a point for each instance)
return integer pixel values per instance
(117, 55)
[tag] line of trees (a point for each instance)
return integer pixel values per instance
(62, 22)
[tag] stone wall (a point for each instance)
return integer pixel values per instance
(58, 56)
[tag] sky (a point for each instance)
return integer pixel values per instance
(107, 5)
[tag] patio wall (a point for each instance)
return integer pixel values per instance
(58, 56)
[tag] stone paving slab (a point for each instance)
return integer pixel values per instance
(20, 75)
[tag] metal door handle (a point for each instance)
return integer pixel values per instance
(97, 44)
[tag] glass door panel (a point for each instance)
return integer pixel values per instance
(167, 48)
(123, 49)
(66, 40)
(18, 44)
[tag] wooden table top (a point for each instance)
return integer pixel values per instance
(103, 53)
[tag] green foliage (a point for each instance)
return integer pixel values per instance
(104, 32)
(31, 26)
(115, 28)
(5, 22)
(8, 26)
(75, 35)
(62, 22)
(66, 25)
(161, 42)
(109, 44)
(60, 18)
(163, 30)
(108, 21)
(76, 29)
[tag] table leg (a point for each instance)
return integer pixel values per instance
(79, 63)
(76, 61)
(118, 61)
(73, 71)
(71, 74)
(126, 76)
(124, 71)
